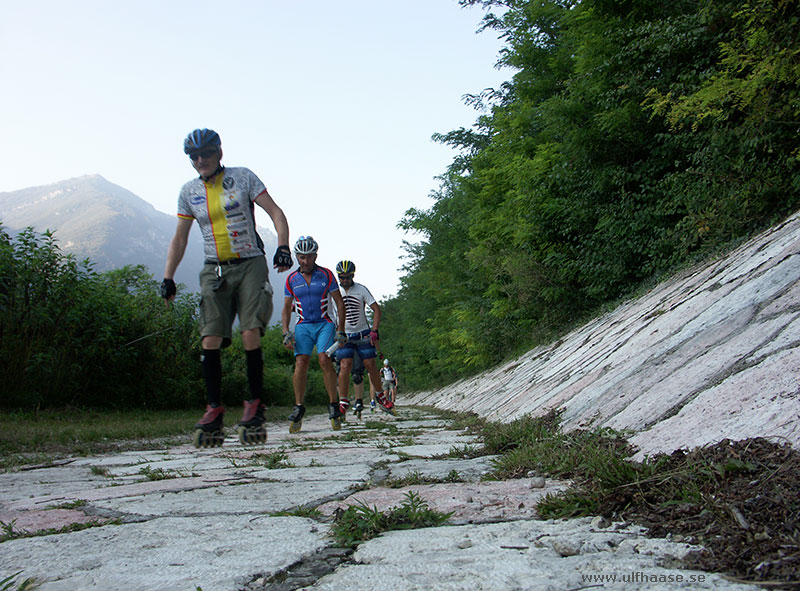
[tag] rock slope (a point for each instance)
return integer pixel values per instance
(711, 354)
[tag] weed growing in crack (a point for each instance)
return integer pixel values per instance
(9, 533)
(10, 583)
(100, 471)
(71, 505)
(161, 474)
(465, 452)
(271, 461)
(359, 523)
(311, 513)
(410, 479)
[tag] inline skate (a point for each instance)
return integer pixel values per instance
(251, 428)
(296, 418)
(209, 431)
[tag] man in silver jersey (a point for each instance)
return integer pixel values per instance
(361, 338)
(234, 280)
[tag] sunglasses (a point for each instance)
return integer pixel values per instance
(350, 276)
(203, 154)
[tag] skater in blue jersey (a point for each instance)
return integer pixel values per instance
(308, 291)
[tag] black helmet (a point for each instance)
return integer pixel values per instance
(346, 267)
(201, 139)
(305, 245)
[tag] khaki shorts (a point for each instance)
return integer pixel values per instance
(245, 291)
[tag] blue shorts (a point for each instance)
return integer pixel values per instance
(308, 334)
(357, 341)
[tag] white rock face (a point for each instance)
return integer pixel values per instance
(709, 355)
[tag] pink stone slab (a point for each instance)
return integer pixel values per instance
(34, 521)
(478, 502)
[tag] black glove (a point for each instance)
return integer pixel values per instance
(168, 289)
(283, 257)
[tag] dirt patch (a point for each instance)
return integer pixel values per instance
(740, 500)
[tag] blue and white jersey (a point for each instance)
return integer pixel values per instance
(311, 299)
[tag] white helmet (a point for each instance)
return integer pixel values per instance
(386, 362)
(306, 245)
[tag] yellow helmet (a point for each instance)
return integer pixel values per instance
(346, 267)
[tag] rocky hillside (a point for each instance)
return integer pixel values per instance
(713, 353)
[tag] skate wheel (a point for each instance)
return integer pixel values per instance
(197, 440)
(336, 424)
(358, 414)
(295, 427)
(251, 436)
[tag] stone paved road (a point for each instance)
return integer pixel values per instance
(182, 519)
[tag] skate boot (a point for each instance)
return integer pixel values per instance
(296, 418)
(251, 428)
(208, 430)
(335, 416)
(358, 408)
(344, 404)
(385, 404)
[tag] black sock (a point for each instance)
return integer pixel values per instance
(255, 373)
(212, 372)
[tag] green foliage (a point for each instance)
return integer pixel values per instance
(71, 337)
(359, 523)
(632, 138)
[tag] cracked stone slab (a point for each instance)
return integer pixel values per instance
(243, 499)
(125, 490)
(349, 473)
(53, 481)
(339, 455)
(541, 555)
(217, 553)
(470, 470)
(431, 450)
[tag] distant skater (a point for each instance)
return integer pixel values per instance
(234, 280)
(388, 382)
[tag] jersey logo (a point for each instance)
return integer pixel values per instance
(197, 199)
(228, 182)
(231, 203)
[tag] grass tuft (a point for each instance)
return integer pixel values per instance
(10, 583)
(359, 523)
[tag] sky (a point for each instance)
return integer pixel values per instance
(331, 104)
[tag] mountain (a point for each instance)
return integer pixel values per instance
(92, 217)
